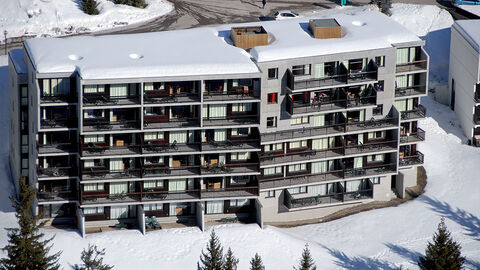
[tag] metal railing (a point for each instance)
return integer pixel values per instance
(330, 104)
(108, 100)
(412, 66)
(56, 196)
(109, 125)
(55, 171)
(340, 197)
(58, 98)
(58, 123)
(238, 93)
(161, 96)
(232, 119)
(415, 159)
(55, 148)
(410, 91)
(419, 112)
(94, 148)
(417, 136)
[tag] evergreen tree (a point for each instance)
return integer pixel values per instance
(213, 258)
(25, 248)
(256, 263)
(306, 263)
(383, 5)
(92, 259)
(133, 3)
(90, 7)
(444, 253)
(230, 261)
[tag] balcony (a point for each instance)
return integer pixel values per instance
(419, 65)
(57, 98)
(163, 97)
(230, 192)
(299, 201)
(233, 168)
(103, 124)
(235, 94)
(152, 195)
(152, 170)
(101, 99)
(99, 173)
(94, 149)
(410, 91)
(158, 121)
(55, 148)
(148, 195)
(54, 123)
(309, 154)
(418, 136)
(410, 160)
(162, 147)
(370, 171)
(56, 172)
(417, 113)
(64, 195)
(389, 122)
(328, 104)
(230, 145)
(231, 120)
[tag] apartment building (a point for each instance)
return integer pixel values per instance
(261, 122)
(464, 77)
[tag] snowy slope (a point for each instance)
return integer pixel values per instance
(60, 17)
(379, 239)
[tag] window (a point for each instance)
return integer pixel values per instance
(95, 88)
(379, 86)
(380, 61)
(270, 194)
(271, 122)
(54, 87)
(378, 110)
(376, 180)
(299, 120)
(93, 138)
(153, 184)
(239, 180)
(93, 187)
(93, 210)
(273, 170)
(298, 144)
(272, 73)
(374, 158)
(297, 167)
(240, 156)
(214, 207)
(239, 203)
(242, 107)
(273, 147)
(240, 131)
(301, 70)
(153, 207)
(149, 136)
(272, 98)
(297, 190)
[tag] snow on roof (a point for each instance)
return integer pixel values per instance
(470, 30)
(18, 62)
(365, 30)
(171, 53)
(473, 9)
(209, 50)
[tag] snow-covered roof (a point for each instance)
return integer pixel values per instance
(473, 9)
(18, 62)
(208, 50)
(171, 53)
(366, 30)
(470, 30)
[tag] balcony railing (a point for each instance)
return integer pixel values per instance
(294, 107)
(150, 147)
(412, 66)
(160, 122)
(418, 136)
(56, 196)
(231, 120)
(98, 100)
(410, 91)
(234, 94)
(58, 98)
(55, 148)
(95, 173)
(102, 124)
(58, 123)
(161, 96)
(419, 112)
(233, 168)
(55, 172)
(415, 159)
(166, 171)
(370, 170)
(229, 192)
(310, 154)
(331, 129)
(92, 149)
(291, 202)
(230, 145)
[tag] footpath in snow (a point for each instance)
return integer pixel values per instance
(64, 17)
(379, 239)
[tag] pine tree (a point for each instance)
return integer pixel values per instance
(90, 7)
(230, 261)
(213, 258)
(25, 248)
(256, 263)
(444, 253)
(133, 3)
(306, 263)
(92, 259)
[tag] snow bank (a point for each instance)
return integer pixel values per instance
(63, 17)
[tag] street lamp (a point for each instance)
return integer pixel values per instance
(5, 34)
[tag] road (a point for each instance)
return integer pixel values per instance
(191, 13)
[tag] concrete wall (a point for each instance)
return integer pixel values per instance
(464, 70)
(200, 211)
(141, 218)
(14, 124)
(80, 222)
(259, 212)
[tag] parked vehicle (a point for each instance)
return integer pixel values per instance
(466, 2)
(285, 14)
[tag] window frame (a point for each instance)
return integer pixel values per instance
(275, 70)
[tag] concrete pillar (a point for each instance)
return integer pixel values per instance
(141, 218)
(201, 215)
(81, 222)
(258, 212)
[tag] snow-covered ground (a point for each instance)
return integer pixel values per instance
(379, 239)
(61, 17)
